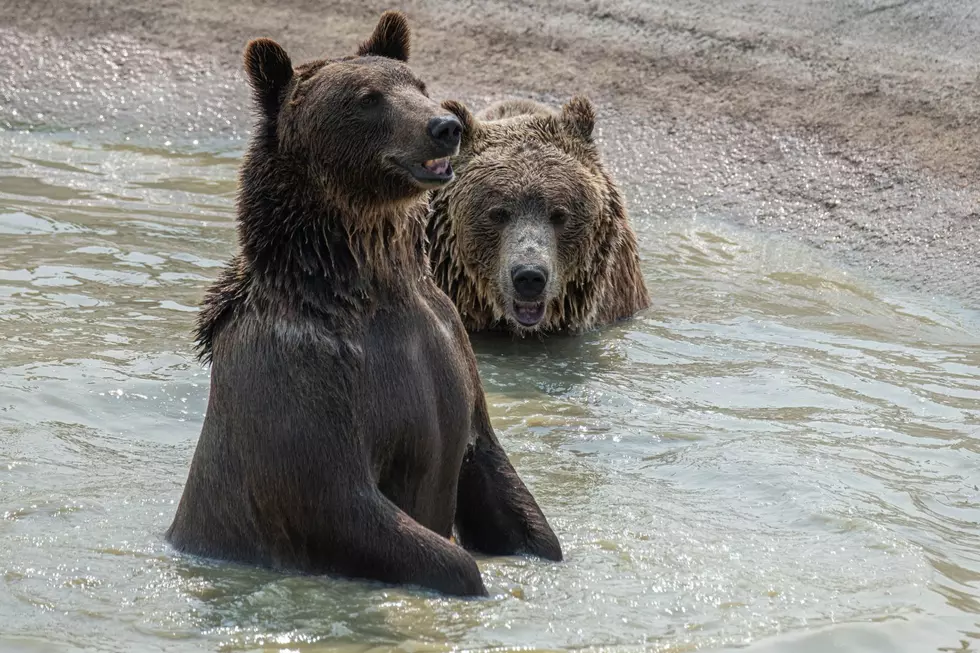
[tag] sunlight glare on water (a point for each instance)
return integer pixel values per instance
(778, 453)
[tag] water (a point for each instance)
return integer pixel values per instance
(779, 454)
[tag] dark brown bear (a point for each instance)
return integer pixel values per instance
(533, 235)
(347, 429)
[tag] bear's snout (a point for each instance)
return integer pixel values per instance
(446, 131)
(529, 280)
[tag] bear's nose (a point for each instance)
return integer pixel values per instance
(529, 281)
(446, 130)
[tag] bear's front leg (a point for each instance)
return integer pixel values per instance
(371, 538)
(495, 512)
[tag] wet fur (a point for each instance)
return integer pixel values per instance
(598, 288)
(347, 430)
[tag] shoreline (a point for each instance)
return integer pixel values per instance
(853, 126)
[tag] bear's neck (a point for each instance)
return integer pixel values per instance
(294, 239)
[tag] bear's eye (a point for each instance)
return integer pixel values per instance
(370, 99)
(498, 215)
(558, 217)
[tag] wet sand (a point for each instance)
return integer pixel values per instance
(851, 125)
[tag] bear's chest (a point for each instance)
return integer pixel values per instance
(419, 406)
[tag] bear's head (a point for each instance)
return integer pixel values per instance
(361, 128)
(533, 215)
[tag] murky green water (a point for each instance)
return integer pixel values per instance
(777, 452)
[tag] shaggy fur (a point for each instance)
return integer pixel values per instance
(531, 193)
(346, 430)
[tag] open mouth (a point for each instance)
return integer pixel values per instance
(438, 167)
(434, 172)
(528, 313)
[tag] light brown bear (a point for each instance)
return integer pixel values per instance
(533, 235)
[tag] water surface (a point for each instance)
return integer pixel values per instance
(779, 453)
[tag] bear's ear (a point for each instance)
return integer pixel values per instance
(471, 127)
(391, 38)
(269, 71)
(578, 117)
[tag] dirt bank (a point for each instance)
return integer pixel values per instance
(852, 124)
